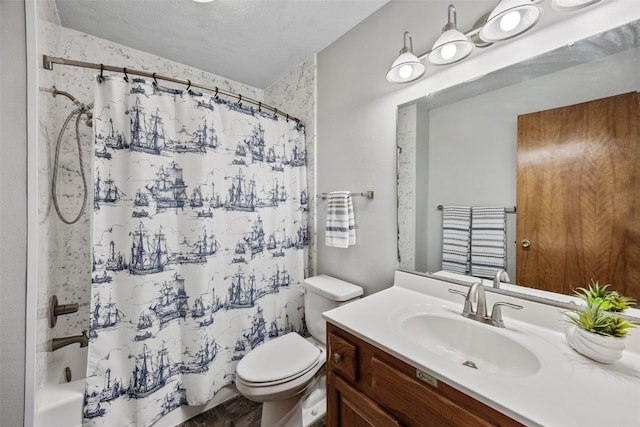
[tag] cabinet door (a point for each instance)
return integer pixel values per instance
(348, 407)
(414, 403)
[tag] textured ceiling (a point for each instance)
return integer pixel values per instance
(250, 41)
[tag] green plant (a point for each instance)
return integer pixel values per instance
(596, 315)
(608, 300)
(594, 319)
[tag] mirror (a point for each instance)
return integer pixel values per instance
(458, 146)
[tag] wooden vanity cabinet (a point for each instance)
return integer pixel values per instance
(368, 387)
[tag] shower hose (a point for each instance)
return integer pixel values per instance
(82, 109)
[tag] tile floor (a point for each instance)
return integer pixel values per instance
(237, 412)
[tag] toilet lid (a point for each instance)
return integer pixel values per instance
(278, 359)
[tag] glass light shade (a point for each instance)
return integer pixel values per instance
(571, 4)
(451, 46)
(510, 19)
(406, 68)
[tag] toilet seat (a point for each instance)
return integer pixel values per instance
(278, 361)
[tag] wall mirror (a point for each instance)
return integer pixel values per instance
(458, 146)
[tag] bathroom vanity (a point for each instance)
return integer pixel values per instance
(406, 356)
(367, 386)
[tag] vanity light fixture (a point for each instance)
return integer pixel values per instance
(571, 4)
(407, 67)
(452, 46)
(509, 19)
(203, 1)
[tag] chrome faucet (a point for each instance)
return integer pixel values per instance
(83, 339)
(476, 294)
(501, 276)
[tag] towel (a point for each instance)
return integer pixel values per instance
(488, 241)
(456, 224)
(341, 226)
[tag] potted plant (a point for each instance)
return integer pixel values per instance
(595, 330)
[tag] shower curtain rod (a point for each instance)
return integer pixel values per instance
(48, 61)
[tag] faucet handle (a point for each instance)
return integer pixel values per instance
(496, 312)
(455, 291)
(468, 309)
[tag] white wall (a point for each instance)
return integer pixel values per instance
(357, 113)
(13, 210)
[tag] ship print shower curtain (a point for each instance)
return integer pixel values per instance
(199, 242)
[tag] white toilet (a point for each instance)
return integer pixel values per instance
(286, 373)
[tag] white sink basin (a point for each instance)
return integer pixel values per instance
(469, 343)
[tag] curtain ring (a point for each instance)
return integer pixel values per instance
(240, 100)
(216, 95)
(126, 77)
(188, 86)
(101, 76)
(155, 82)
(275, 113)
(287, 118)
(260, 107)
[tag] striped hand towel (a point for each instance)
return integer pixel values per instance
(456, 224)
(488, 241)
(341, 226)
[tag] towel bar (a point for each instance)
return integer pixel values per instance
(367, 194)
(507, 210)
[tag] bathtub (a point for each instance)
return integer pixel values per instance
(58, 402)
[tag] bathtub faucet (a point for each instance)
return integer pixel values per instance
(83, 339)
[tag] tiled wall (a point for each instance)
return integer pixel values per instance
(64, 267)
(406, 131)
(296, 92)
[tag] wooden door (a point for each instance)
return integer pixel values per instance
(578, 192)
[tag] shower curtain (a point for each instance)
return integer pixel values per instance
(199, 240)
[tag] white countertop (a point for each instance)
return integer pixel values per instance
(565, 391)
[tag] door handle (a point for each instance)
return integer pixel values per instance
(526, 243)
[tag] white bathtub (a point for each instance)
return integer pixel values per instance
(59, 403)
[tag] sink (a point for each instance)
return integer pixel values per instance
(470, 344)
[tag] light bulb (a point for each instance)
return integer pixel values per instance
(405, 71)
(510, 21)
(448, 51)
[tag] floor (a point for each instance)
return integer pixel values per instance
(237, 412)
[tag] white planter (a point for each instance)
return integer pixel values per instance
(596, 347)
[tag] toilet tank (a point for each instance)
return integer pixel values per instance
(323, 293)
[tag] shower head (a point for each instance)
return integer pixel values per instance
(83, 108)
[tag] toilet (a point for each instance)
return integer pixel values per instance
(287, 373)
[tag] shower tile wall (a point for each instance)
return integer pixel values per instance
(297, 92)
(64, 267)
(406, 131)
